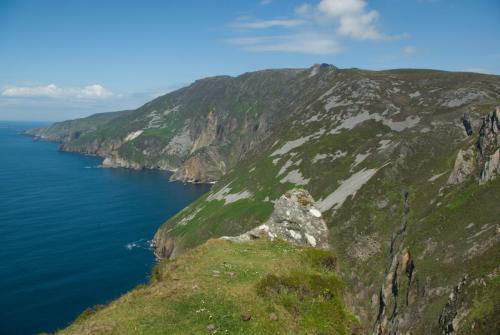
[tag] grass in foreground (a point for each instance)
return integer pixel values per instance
(260, 287)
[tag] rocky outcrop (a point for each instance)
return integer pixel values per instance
(116, 161)
(208, 134)
(483, 160)
(205, 166)
(488, 146)
(466, 121)
(463, 168)
(163, 246)
(98, 146)
(397, 291)
(295, 219)
(449, 318)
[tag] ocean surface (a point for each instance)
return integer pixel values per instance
(73, 235)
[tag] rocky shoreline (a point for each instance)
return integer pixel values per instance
(112, 162)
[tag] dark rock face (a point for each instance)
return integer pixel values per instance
(449, 313)
(467, 124)
(398, 289)
(488, 146)
(482, 161)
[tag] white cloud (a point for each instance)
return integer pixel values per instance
(310, 43)
(303, 9)
(360, 27)
(265, 24)
(265, 2)
(46, 91)
(410, 50)
(341, 8)
(352, 17)
(94, 91)
(316, 28)
(53, 91)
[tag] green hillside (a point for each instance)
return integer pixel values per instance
(226, 288)
(403, 165)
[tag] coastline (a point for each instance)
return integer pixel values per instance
(37, 137)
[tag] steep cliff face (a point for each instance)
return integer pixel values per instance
(406, 185)
(200, 131)
(403, 165)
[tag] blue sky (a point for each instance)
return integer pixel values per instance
(63, 59)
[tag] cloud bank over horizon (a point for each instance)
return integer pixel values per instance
(53, 91)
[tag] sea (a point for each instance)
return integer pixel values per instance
(73, 235)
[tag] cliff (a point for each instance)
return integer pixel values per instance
(199, 132)
(403, 165)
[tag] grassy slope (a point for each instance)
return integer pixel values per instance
(436, 237)
(66, 130)
(437, 218)
(218, 282)
(259, 175)
(238, 103)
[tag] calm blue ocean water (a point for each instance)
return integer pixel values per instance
(73, 235)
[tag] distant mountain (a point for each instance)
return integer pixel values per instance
(200, 131)
(403, 165)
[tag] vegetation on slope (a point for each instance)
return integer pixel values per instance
(406, 237)
(376, 149)
(259, 287)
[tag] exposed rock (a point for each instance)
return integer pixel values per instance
(436, 176)
(208, 135)
(491, 168)
(295, 219)
(330, 156)
(400, 274)
(133, 135)
(487, 158)
(463, 168)
(205, 166)
(448, 318)
(467, 124)
(228, 197)
(163, 246)
(116, 161)
(290, 145)
(179, 144)
(347, 188)
(488, 145)
(295, 177)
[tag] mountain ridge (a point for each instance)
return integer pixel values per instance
(407, 189)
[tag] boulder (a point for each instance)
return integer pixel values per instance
(295, 219)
